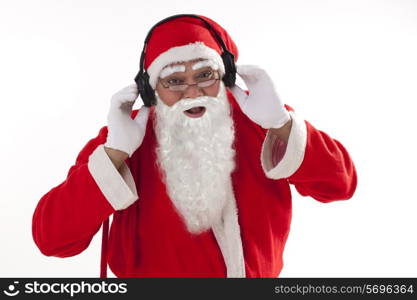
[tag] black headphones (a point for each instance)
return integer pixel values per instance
(142, 78)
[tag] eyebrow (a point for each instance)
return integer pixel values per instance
(169, 70)
(205, 63)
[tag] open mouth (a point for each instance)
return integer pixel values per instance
(195, 112)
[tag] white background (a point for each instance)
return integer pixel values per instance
(348, 67)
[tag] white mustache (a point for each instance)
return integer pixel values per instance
(186, 104)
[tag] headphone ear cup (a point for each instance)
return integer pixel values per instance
(145, 90)
(150, 95)
(229, 77)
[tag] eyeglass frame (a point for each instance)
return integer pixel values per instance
(215, 74)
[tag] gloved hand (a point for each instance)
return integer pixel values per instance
(124, 133)
(262, 105)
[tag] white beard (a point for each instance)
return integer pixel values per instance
(196, 156)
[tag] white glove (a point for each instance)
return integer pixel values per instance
(262, 105)
(124, 133)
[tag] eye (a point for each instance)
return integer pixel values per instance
(175, 81)
(205, 74)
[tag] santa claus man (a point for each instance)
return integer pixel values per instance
(199, 184)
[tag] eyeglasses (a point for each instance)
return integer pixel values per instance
(204, 79)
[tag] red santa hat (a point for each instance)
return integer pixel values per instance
(182, 39)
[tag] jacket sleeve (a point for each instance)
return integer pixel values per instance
(316, 164)
(70, 214)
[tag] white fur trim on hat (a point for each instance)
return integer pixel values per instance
(180, 54)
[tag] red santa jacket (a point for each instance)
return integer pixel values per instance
(149, 239)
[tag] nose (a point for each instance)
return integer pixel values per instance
(193, 91)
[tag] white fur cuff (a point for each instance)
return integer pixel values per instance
(294, 153)
(118, 188)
